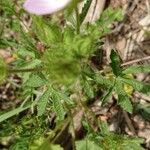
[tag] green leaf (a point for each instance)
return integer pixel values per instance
(42, 102)
(61, 65)
(137, 85)
(47, 33)
(85, 10)
(3, 69)
(123, 99)
(106, 97)
(48, 146)
(108, 17)
(68, 35)
(87, 87)
(137, 69)
(143, 110)
(115, 63)
(58, 104)
(36, 80)
(132, 143)
(104, 128)
(14, 112)
(83, 46)
(21, 143)
(87, 145)
(99, 79)
(121, 142)
(125, 103)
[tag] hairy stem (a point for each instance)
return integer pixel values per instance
(24, 70)
(77, 19)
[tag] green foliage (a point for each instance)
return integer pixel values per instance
(108, 94)
(57, 101)
(14, 112)
(123, 99)
(43, 144)
(143, 110)
(137, 69)
(137, 85)
(42, 102)
(108, 140)
(117, 142)
(65, 58)
(20, 144)
(88, 87)
(87, 145)
(46, 33)
(36, 80)
(108, 17)
(3, 69)
(61, 66)
(115, 63)
(63, 62)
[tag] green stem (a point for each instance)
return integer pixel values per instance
(77, 19)
(73, 127)
(24, 70)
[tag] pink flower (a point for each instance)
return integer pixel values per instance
(43, 7)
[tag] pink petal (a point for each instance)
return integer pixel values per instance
(43, 7)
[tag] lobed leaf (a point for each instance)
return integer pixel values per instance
(123, 99)
(87, 145)
(36, 80)
(137, 69)
(137, 85)
(42, 102)
(46, 33)
(115, 63)
(99, 79)
(58, 105)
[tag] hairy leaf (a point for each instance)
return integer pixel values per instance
(21, 143)
(36, 80)
(88, 89)
(46, 33)
(137, 85)
(58, 105)
(137, 69)
(123, 99)
(120, 142)
(87, 145)
(42, 102)
(108, 17)
(61, 66)
(48, 146)
(99, 79)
